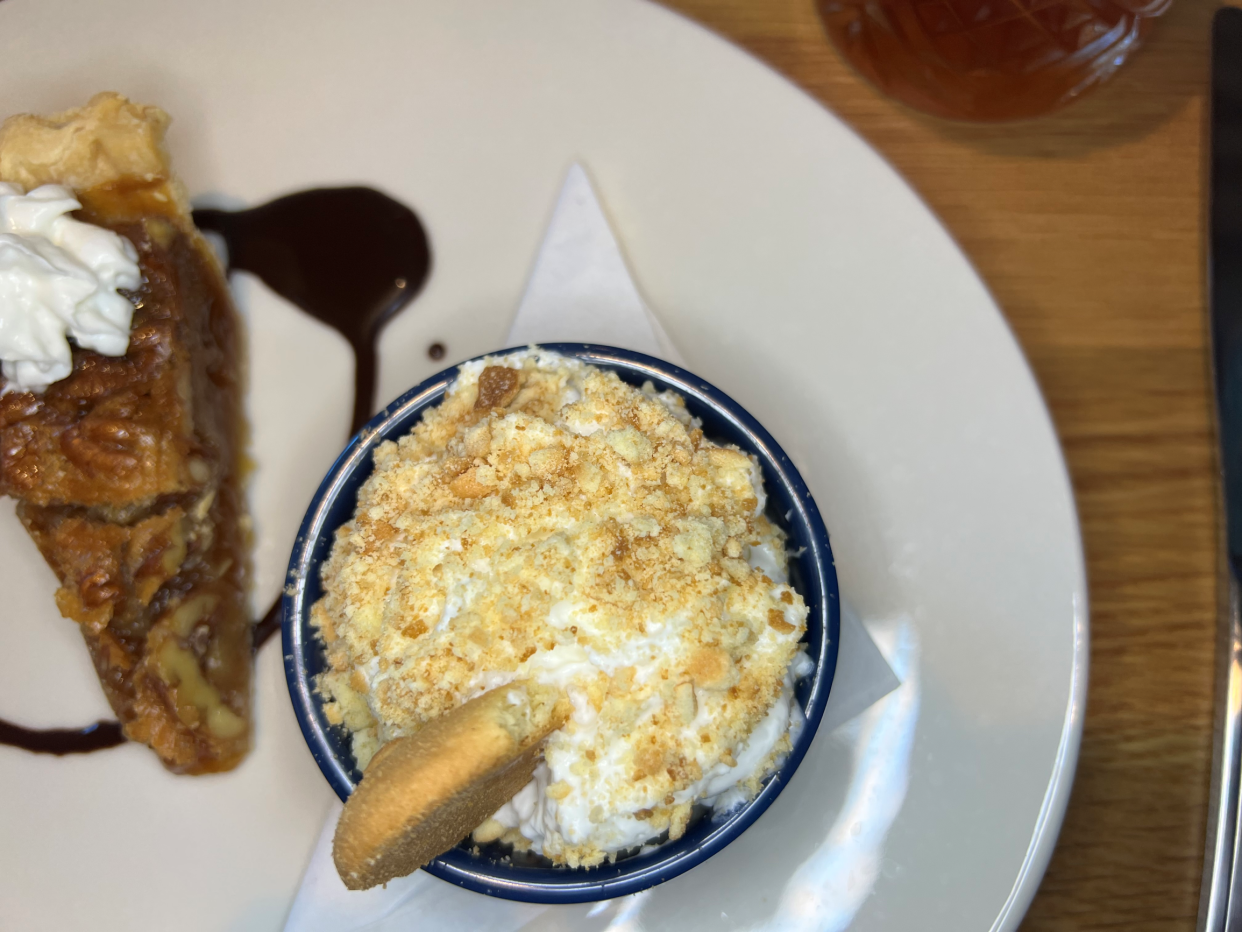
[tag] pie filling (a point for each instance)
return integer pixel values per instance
(127, 475)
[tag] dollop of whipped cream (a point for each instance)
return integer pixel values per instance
(59, 280)
(537, 815)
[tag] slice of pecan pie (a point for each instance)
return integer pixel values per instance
(128, 471)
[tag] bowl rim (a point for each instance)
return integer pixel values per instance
(456, 866)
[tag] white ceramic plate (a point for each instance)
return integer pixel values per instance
(792, 267)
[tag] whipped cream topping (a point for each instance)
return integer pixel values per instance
(537, 815)
(59, 280)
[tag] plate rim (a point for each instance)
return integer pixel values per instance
(297, 641)
(1044, 829)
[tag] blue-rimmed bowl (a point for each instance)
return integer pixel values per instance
(496, 870)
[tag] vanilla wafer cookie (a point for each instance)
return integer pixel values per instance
(422, 794)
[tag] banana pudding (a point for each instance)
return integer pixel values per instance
(551, 524)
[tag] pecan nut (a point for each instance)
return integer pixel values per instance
(106, 446)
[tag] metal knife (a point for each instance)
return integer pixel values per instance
(1220, 902)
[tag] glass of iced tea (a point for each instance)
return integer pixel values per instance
(988, 59)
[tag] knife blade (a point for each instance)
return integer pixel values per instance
(1220, 903)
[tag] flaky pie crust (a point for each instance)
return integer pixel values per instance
(108, 141)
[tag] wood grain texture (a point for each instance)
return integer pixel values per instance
(1088, 227)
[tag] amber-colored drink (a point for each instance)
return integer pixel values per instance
(988, 59)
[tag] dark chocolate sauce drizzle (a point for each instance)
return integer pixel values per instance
(268, 625)
(349, 257)
(61, 741)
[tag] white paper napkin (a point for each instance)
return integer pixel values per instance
(579, 291)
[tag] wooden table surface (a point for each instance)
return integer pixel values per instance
(1088, 228)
